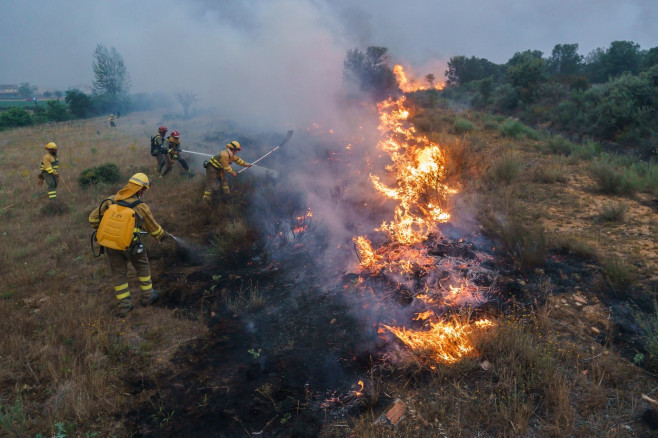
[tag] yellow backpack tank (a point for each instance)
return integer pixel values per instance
(117, 227)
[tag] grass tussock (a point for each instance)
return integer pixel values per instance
(550, 174)
(613, 213)
(505, 169)
(619, 275)
(515, 129)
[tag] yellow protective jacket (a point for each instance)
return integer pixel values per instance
(50, 164)
(223, 160)
(172, 149)
(143, 218)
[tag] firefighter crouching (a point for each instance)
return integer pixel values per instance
(50, 170)
(217, 167)
(130, 195)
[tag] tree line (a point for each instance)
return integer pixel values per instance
(110, 87)
(610, 95)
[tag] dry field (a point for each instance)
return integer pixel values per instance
(559, 363)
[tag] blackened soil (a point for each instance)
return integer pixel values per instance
(263, 370)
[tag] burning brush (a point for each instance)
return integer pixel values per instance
(412, 257)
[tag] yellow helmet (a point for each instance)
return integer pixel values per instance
(141, 180)
(51, 146)
(234, 145)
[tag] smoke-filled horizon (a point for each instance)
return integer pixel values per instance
(280, 62)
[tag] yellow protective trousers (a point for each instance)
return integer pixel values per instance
(119, 273)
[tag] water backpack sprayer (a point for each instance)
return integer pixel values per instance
(117, 228)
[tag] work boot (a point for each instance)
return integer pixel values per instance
(154, 297)
(123, 309)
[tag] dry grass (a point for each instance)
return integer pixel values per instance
(63, 356)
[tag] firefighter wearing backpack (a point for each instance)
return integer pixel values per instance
(172, 154)
(121, 239)
(50, 170)
(217, 167)
(158, 147)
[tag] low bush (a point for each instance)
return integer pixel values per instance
(558, 145)
(462, 126)
(104, 174)
(550, 174)
(619, 275)
(515, 129)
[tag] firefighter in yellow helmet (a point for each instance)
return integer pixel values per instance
(110, 120)
(219, 165)
(50, 170)
(131, 194)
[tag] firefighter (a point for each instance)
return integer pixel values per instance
(111, 121)
(172, 154)
(158, 147)
(50, 170)
(135, 254)
(217, 167)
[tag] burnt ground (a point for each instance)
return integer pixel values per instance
(288, 363)
(261, 368)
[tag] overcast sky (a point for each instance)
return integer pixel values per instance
(285, 56)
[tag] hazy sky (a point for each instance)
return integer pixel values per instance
(284, 57)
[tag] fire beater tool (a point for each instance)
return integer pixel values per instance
(285, 140)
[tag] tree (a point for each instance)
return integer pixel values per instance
(370, 72)
(26, 90)
(186, 98)
(526, 71)
(79, 103)
(56, 111)
(565, 60)
(111, 76)
(462, 70)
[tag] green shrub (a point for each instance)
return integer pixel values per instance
(104, 174)
(586, 151)
(515, 129)
(15, 117)
(462, 126)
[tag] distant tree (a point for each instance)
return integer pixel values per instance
(111, 76)
(621, 57)
(565, 60)
(59, 94)
(26, 90)
(47, 94)
(79, 103)
(650, 58)
(430, 79)
(57, 111)
(370, 72)
(186, 98)
(526, 71)
(462, 70)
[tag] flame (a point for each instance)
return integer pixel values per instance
(445, 342)
(409, 86)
